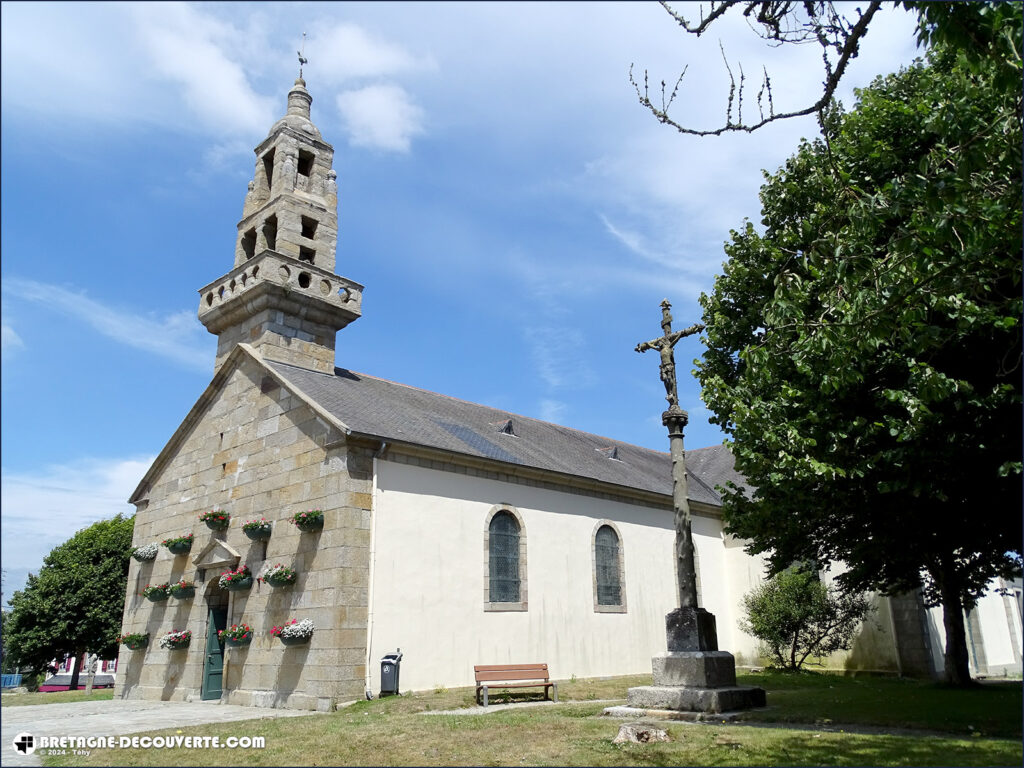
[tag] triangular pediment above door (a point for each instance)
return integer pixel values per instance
(216, 554)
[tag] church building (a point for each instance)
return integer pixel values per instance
(459, 533)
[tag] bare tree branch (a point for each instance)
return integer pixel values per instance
(780, 22)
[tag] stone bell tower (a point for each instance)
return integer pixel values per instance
(282, 295)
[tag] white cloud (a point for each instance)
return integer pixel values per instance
(193, 49)
(638, 244)
(344, 52)
(381, 117)
(9, 339)
(178, 337)
(556, 352)
(552, 410)
(43, 508)
(165, 64)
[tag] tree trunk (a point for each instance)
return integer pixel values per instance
(75, 670)
(90, 675)
(957, 665)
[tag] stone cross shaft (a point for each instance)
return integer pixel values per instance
(675, 420)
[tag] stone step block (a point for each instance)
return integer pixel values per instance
(692, 699)
(696, 669)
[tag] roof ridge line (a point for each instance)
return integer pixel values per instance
(481, 405)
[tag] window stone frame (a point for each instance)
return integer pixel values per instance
(621, 607)
(522, 604)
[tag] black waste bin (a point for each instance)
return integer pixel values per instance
(389, 673)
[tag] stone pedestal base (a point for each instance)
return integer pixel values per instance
(689, 699)
(695, 681)
(697, 669)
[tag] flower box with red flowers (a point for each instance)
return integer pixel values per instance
(236, 636)
(179, 545)
(134, 641)
(216, 519)
(257, 530)
(183, 590)
(156, 593)
(310, 520)
(236, 580)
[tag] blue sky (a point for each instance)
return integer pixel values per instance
(515, 215)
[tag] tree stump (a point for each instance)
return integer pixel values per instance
(639, 733)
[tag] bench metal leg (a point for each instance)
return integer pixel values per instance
(484, 689)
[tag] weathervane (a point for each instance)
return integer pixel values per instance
(302, 59)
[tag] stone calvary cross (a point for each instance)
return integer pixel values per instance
(693, 676)
(675, 419)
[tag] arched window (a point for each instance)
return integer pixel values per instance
(609, 589)
(505, 548)
(606, 550)
(504, 558)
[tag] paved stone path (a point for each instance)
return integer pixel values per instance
(478, 710)
(115, 718)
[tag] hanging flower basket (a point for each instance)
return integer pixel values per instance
(236, 580)
(294, 632)
(216, 519)
(257, 530)
(179, 545)
(176, 640)
(310, 520)
(156, 593)
(279, 576)
(146, 553)
(134, 641)
(183, 590)
(236, 636)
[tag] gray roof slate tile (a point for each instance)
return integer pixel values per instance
(398, 412)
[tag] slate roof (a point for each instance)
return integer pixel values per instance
(396, 412)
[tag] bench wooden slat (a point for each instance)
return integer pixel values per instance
(489, 667)
(500, 675)
(511, 675)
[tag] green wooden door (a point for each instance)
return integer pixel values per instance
(213, 667)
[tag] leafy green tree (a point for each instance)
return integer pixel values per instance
(75, 603)
(796, 616)
(864, 350)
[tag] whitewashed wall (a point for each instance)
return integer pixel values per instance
(428, 580)
(999, 618)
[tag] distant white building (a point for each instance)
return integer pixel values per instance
(60, 678)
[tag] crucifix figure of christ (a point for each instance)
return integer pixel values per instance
(689, 628)
(665, 345)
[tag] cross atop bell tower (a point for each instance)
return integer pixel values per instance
(282, 295)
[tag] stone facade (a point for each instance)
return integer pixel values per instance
(254, 450)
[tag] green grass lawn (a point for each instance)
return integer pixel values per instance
(990, 709)
(57, 697)
(395, 731)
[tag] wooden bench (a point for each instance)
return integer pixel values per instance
(513, 676)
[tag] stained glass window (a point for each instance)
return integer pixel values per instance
(609, 582)
(503, 558)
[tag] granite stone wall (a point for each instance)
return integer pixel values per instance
(257, 450)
